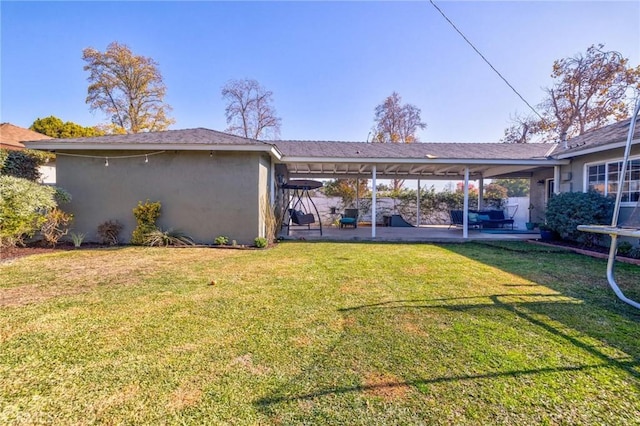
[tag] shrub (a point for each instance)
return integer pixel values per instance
(567, 210)
(170, 237)
(23, 208)
(23, 163)
(77, 239)
(221, 240)
(260, 242)
(624, 248)
(634, 253)
(55, 225)
(146, 215)
(109, 232)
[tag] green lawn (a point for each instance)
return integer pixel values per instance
(318, 333)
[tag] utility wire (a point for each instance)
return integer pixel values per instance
(486, 60)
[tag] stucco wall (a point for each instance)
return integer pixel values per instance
(203, 196)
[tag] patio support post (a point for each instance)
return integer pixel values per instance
(357, 194)
(556, 179)
(374, 172)
(481, 193)
(465, 209)
(418, 205)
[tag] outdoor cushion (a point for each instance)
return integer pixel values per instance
(482, 217)
(473, 217)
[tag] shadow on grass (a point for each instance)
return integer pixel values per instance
(524, 306)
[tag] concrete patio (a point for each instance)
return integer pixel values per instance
(430, 233)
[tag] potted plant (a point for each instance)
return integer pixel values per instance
(530, 225)
(546, 234)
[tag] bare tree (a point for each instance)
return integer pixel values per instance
(521, 130)
(249, 111)
(395, 122)
(127, 87)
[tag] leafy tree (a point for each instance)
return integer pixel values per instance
(515, 187)
(249, 110)
(396, 123)
(590, 90)
(493, 191)
(23, 163)
(346, 189)
(128, 88)
(56, 128)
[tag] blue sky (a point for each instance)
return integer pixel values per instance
(328, 63)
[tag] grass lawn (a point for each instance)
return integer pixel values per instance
(318, 333)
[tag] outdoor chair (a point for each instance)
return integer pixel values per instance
(301, 218)
(349, 218)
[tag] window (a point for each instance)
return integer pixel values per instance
(603, 177)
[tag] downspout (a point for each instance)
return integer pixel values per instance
(373, 201)
(556, 179)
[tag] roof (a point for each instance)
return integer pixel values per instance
(11, 137)
(612, 136)
(337, 159)
(417, 150)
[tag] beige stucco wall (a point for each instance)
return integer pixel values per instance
(203, 196)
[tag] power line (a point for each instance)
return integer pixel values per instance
(486, 60)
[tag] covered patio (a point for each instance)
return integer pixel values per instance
(466, 162)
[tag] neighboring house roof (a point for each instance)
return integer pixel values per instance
(11, 137)
(602, 139)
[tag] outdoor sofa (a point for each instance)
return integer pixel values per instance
(481, 219)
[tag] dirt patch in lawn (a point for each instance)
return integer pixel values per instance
(385, 386)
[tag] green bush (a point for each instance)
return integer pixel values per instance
(23, 163)
(567, 210)
(146, 216)
(260, 242)
(624, 248)
(221, 240)
(23, 205)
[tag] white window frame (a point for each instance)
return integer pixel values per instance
(606, 163)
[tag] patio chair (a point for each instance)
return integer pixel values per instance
(349, 218)
(301, 218)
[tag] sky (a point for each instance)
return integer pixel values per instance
(328, 64)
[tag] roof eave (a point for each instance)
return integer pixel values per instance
(380, 160)
(595, 149)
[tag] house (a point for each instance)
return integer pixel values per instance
(212, 183)
(11, 137)
(594, 160)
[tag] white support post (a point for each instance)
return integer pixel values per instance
(481, 193)
(556, 179)
(357, 194)
(465, 210)
(418, 205)
(373, 201)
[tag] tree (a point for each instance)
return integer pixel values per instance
(56, 128)
(521, 130)
(395, 122)
(493, 191)
(346, 189)
(249, 110)
(590, 91)
(127, 87)
(515, 187)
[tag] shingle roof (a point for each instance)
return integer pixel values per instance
(479, 151)
(607, 135)
(11, 137)
(198, 136)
